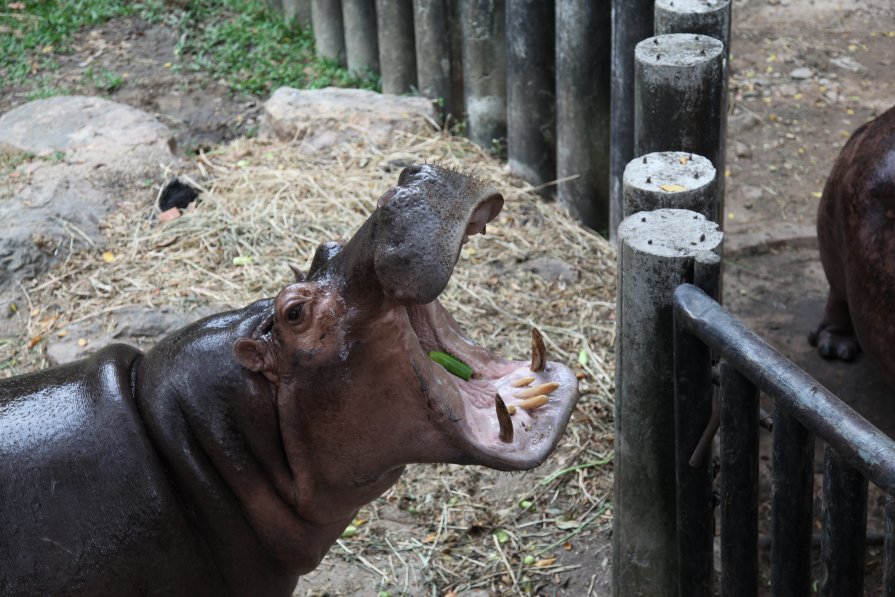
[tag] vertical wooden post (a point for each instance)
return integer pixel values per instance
(739, 484)
(705, 17)
(632, 21)
(844, 528)
(656, 253)
(329, 33)
(484, 70)
(889, 560)
(583, 59)
(671, 179)
(679, 99)
(432, 31)
(298, 11)
(361, 42)
(792, 507)
(397, 53)
(531, 97)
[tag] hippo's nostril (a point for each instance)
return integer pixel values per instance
(408, 173)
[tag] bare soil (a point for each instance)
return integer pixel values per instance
(804, 75)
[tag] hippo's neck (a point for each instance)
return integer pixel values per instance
(216, 427)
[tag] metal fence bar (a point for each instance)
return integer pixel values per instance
(845, 528)
(739, 484)
(791, 506)
(889, 562)
(857, 441)
(693, 390)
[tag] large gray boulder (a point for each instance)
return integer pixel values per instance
(77, 158)
(321, 118)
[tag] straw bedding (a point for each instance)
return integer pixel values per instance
(266, 205)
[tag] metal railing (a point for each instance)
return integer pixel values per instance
(856, 452)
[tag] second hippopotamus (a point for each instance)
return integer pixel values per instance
(230, 457)
(856, 231)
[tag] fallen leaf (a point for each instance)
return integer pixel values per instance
(672, 188)
(545, 562)
(35, 341)
(430, 538)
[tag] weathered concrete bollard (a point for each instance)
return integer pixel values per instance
(705, 17)
(632, 21)
(329, 33)
(432, 32)
(531, 98)
(361, 41)
(298, 11)
(657, 251)
(397, 53)
(671, 179)
(583, 47)
(484, 70)
(679, 98)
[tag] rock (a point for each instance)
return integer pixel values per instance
(800, 74)
(552, 270)
(847, 63)
(89, 130)
(742, 150)
(326, 117)
(91, 152)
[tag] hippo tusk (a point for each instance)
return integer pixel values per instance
(538, 351)
(503, 419)
(522, 382)
(544, 388)
(534, 402)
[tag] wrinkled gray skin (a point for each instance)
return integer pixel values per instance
(230, 457)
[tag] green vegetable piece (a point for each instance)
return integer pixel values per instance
(528, 560)
(454, 365)
(350, 531)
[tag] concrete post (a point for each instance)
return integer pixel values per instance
(679, 98)
(705, 17)
(361, 42)
(671, 179)
(531, 97)
(397, 54)
(632, 21)
(583, 59)
(329, 34)
(458, 95)
(484, 70)
(657, 251)
(431, 27)
(299, 12)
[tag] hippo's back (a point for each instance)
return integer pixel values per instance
(81, 487)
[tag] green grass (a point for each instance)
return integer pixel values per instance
(240, 41)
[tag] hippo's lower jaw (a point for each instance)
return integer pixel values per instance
(528, 429)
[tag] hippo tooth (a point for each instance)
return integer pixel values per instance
(534, 402)
(544, 388)
(522, 382)
(538, 351)
(503, 419)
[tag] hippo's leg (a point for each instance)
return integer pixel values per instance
(835, 336)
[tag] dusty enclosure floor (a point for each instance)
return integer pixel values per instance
(805, 73)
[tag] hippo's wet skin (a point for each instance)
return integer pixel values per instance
(856, 231)
(230, 457)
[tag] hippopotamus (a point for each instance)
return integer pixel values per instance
(856, 234)
(227, 459)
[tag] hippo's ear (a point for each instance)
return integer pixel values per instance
(253, 355)
(299, 276)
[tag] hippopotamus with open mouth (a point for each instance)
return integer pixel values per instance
(230, 457)
(856, 233)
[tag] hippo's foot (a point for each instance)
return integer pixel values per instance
(834, 342)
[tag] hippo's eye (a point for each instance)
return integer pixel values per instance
(294, 313)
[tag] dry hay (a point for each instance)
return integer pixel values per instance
(266, 205)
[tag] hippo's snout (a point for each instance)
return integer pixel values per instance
(420, 225)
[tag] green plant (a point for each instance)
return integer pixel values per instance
(105, 80)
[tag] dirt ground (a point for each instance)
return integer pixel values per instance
(804, 75)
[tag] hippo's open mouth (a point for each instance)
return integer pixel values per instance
(509, 415)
